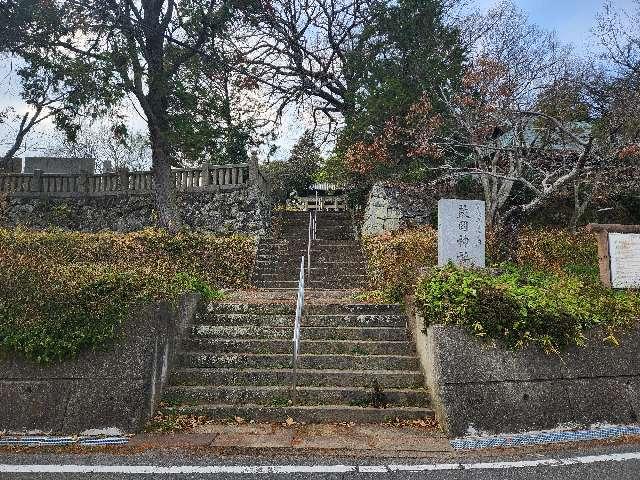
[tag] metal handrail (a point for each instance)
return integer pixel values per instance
(313, 217)
(296, 330)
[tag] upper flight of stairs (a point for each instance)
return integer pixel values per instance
(337, 261)
(356, 363)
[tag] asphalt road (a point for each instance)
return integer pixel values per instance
(579, 462)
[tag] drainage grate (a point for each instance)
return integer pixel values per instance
(32, 441)
(541, 438)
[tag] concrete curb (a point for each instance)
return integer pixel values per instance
(303, 437)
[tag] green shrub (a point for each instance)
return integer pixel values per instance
(520, 306)
(397, 260)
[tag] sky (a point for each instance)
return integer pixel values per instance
(572, 20)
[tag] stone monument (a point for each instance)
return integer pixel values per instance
(461, 232)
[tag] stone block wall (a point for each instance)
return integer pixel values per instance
(480, 386)
(392, 206)
(245, 210)
(118, 387)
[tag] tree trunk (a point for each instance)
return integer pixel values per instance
(508, 234)
(157, 108)
(580, 206)
(164, 183)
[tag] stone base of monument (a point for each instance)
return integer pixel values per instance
(479, 386)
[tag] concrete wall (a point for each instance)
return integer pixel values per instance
(245, 210)
(59, 165)
(118, 387)
(392, 206)
(480, 386)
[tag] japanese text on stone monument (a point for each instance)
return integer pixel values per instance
(461, 232)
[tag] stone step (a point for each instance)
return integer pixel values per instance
(321, 218)
(281, 396)
(287, 231)
(321, 233)
(254, 360)
(267, 260)
(288, 249)
(284, 346)
(342, 276)
(318, 243)
(317, 267)
(280, 320)
(345, 283)
(307, 333)
(294, 228)
(308, 377)
(305, 413)
(310, 309)
(272, 272)
(317, 258)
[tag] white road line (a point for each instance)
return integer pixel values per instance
(291, 469)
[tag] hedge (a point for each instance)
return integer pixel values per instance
(397, 260)
(65, 292)
(521, 306)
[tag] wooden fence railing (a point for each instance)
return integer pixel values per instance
(204, 178)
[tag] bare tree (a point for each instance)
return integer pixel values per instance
(42, 103)
(105, 142)
(300, 50)
(495, 129)
(619, 33)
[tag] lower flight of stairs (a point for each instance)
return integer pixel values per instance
(357, 364)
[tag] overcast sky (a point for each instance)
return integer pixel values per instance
(572, 20)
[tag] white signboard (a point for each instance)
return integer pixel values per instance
(461, 232)
(624, 250)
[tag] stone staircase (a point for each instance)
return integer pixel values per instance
(357, 361)
(337, 261)
(357, 364)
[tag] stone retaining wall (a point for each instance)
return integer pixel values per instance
(245, 210)
(480, 386)
(118, 387)
(392, 206)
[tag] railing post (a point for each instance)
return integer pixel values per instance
(205, 175)
(36, 182)
(253, 168)
(123, 177)
(83, 182)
